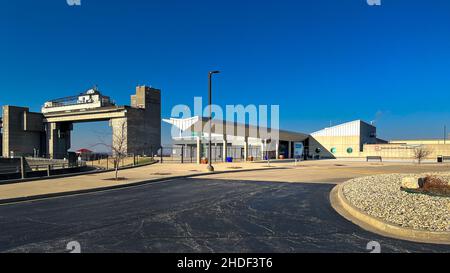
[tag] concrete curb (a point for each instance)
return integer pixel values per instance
(92, 170)
(139, 183)
(31, 179)
(377, 225)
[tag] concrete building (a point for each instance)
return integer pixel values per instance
(420, 141)
(23, 132)
(358, 139)
(404, 149)
(355, 139)
(344, 140)
(91, 99)
(49, 133)
(239, 141)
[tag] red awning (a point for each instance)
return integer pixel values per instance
(84, 151)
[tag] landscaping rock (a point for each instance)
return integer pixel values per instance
(412, 182)
(381, 196)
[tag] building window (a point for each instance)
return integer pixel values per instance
(333, 150)
(349, 150)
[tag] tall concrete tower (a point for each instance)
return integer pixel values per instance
(143, 121)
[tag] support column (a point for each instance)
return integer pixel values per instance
(262, 151)
(224, 151)
(58, 139)
(245, 148)
(199, 147)
(290, 149)
(277, 149)
(120, 135)
(51, 128)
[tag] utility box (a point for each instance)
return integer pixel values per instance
(72, 159)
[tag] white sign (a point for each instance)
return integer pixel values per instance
(298, 149)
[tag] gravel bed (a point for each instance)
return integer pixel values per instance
(380, 196)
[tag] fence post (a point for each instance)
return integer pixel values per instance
(161, 155)
(48, 169)
(182, 154)
(107, 162)
(22, 167)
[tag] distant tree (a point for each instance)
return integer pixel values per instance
(119, 146)
(421, 153)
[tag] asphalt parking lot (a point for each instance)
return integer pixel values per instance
(192, 215)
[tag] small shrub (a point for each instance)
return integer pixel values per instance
(420, 153)
(435, 185)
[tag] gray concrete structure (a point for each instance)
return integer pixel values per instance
(23, 131)
(49, 133)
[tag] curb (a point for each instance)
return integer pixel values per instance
(376, 225)
(92, 170)
(100, 189)
(31, 179)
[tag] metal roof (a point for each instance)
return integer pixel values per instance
(195, 124)
(351, 128)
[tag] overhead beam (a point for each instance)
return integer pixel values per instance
(97, 115)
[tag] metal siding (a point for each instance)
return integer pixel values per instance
(346, 129)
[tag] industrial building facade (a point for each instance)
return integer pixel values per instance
(351, 140)
(238, 141)
(344, 140)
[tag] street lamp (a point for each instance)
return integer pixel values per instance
(210, 167)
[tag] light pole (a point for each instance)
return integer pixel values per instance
(445, 133)
(210, 167)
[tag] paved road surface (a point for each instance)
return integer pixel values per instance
(192, 215)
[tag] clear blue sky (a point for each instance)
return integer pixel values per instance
(320, 60)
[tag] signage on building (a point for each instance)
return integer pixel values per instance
(298, 149)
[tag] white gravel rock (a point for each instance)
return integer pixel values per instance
(380, 196)
(411, 182)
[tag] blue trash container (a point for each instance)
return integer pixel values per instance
(229, 159)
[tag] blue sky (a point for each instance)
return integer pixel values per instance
(322, 61)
